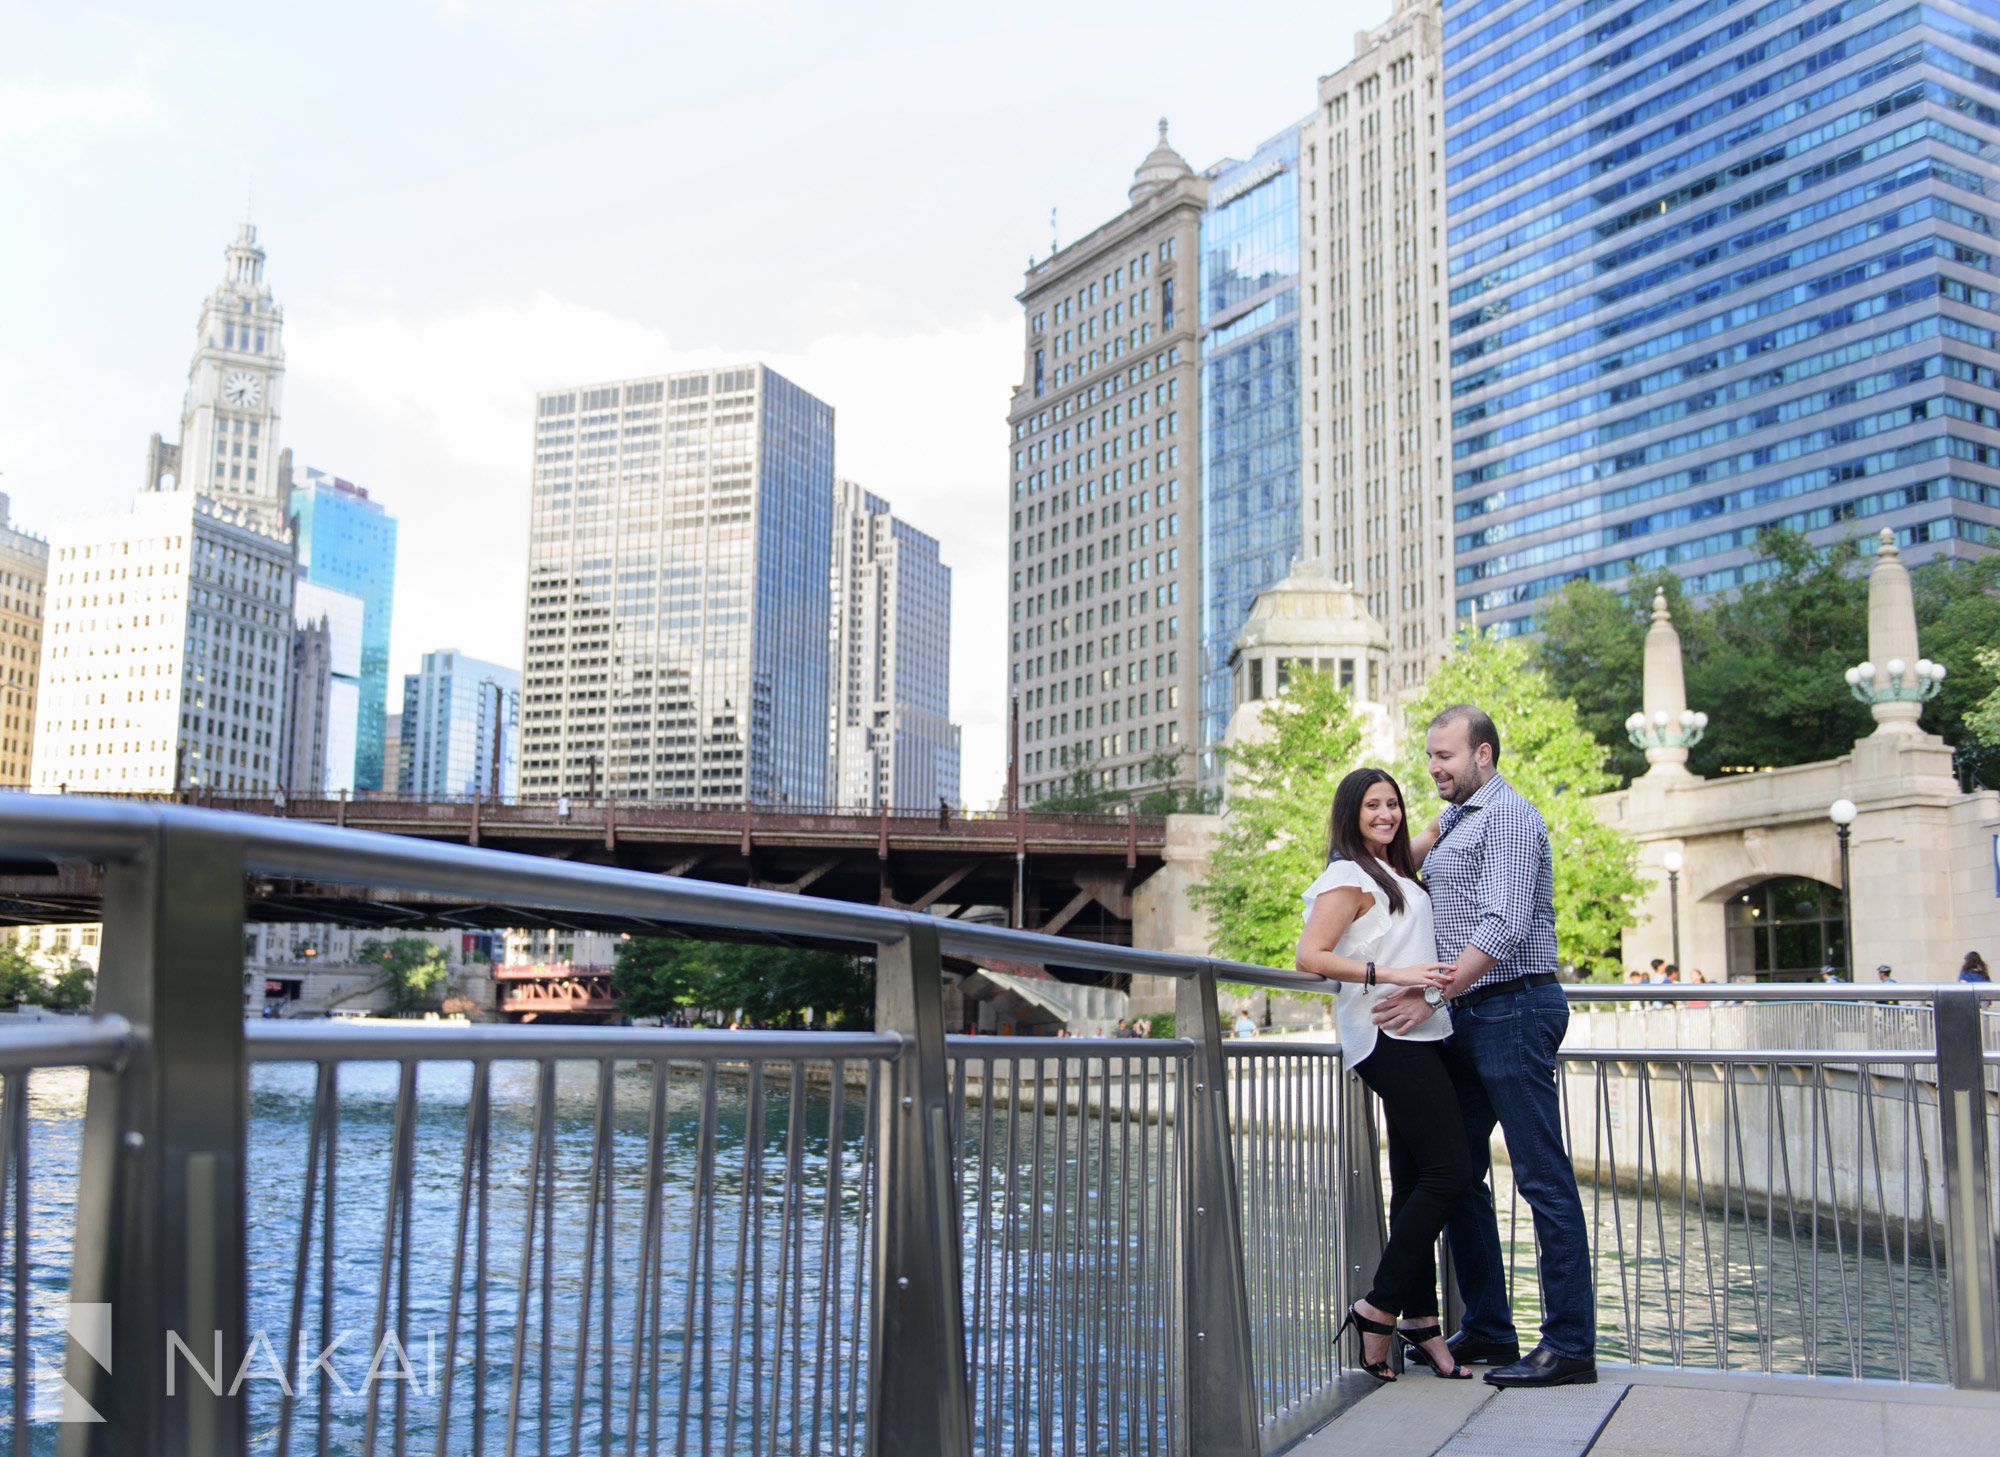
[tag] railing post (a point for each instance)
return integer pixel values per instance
(1215, 1329)
(919, 1403)
(160, 1206)
(1968, 1189)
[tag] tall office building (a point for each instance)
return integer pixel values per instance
(679, 549)
(890, 739)
(323, 708)
(460, 729)
(166, 651)
(347, 542)
(1103, 641)
(24, 575)
(1377, 446)
(1249, 404)
(1714, 270)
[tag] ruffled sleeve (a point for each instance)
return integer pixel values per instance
(1369, 928)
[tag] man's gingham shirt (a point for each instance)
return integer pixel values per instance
(1492, 883)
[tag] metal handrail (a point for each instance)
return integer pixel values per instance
(161, 1216)
(103, 1042)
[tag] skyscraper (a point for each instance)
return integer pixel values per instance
(1249, 404)
(890, 739)
(1716, 269)
(166, 653)
(1105, 450)
(24, 574)
(347, 542)
(460, 730)
(1376, 443)
(679, 549)
(323, 712)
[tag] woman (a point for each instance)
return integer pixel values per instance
(1973, 968)
(1368, 926)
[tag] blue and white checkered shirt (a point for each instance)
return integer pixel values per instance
(1492, 883)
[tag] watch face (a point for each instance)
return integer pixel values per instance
(242, 388)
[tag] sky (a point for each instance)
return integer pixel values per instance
(466, 201)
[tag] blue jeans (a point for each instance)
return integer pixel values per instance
(1503, 1062)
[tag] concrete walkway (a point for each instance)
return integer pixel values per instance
(1664, 1413)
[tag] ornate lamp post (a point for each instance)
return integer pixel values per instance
(1897, 682)
(1661, 730)
(1842, 812)
(1665, 727)
(1674, 862)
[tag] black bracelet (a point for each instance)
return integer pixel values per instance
(1371, 974)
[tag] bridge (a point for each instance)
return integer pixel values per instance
(1069, 875)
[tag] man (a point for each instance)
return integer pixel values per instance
(1245, 1027)
(1491, 880)
(1885, 973)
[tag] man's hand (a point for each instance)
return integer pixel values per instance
(1401, 1010)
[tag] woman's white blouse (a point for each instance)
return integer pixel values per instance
(1404, 939)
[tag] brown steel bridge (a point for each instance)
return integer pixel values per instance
(1070, 875)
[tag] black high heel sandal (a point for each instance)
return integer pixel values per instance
(1413, 1350)
(1362, 1324)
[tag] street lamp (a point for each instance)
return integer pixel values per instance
(1842, 812)
(1674, 862)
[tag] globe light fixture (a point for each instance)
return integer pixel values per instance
(1917, 682)
(1661, 729)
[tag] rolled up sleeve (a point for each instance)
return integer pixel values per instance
(1514, 847)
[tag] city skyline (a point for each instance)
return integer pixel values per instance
(416, 344)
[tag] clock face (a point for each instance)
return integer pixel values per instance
(241, 388)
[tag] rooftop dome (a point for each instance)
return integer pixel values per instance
(1163, 167)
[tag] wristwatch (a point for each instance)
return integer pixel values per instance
(1434, 995)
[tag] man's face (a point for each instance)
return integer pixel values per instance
(1455, 769)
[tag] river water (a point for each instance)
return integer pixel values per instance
(751, 1257)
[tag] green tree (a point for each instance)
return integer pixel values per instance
(1167, 786)
(1273, 837)
(1958, 624)
(19, 980)
(413, 972)
(71, 989)
(774, 985)
(1080, 791)
(1555, 763)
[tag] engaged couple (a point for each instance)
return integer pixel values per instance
(1450, 1011)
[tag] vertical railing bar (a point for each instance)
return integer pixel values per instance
(644, 1308)
(482, 1077)
(750, 1295)
(406, 1086)
(327, 1228)
(302, 1264)
(463, 1233)
(875, 1086)
(700, 1248)
(14, 1167)
(1969, 1181)
(827, 1367)
(544, 1110)
(1001, 1327)
(789, 1215)
(600, 1164)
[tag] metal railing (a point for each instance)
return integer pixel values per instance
(890, 1242)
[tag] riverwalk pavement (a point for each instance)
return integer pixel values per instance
(1646, 1412)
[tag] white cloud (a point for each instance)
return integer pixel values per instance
(433, 415)
(36, 105)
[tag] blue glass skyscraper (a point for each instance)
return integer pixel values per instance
(1715, 267)
(1249, 402)
(348, 543)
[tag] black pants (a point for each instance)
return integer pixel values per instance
(1428, 1168)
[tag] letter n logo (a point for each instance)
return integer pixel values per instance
(56, 1400)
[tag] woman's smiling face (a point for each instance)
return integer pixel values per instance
(1381, 815)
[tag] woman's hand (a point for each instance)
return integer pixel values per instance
(1436, 974)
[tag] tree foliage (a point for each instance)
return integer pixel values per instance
(71, 989)
(1767, 662)
(414, 972)
(1552, 759)
(1166, 787)
(771, 985)
(1273, 837)
(20, 981)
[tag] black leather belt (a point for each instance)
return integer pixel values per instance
(1500, 989)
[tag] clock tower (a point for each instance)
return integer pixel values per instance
(229, 418)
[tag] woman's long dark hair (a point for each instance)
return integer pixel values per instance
(1973, 962)
(1344, 839)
